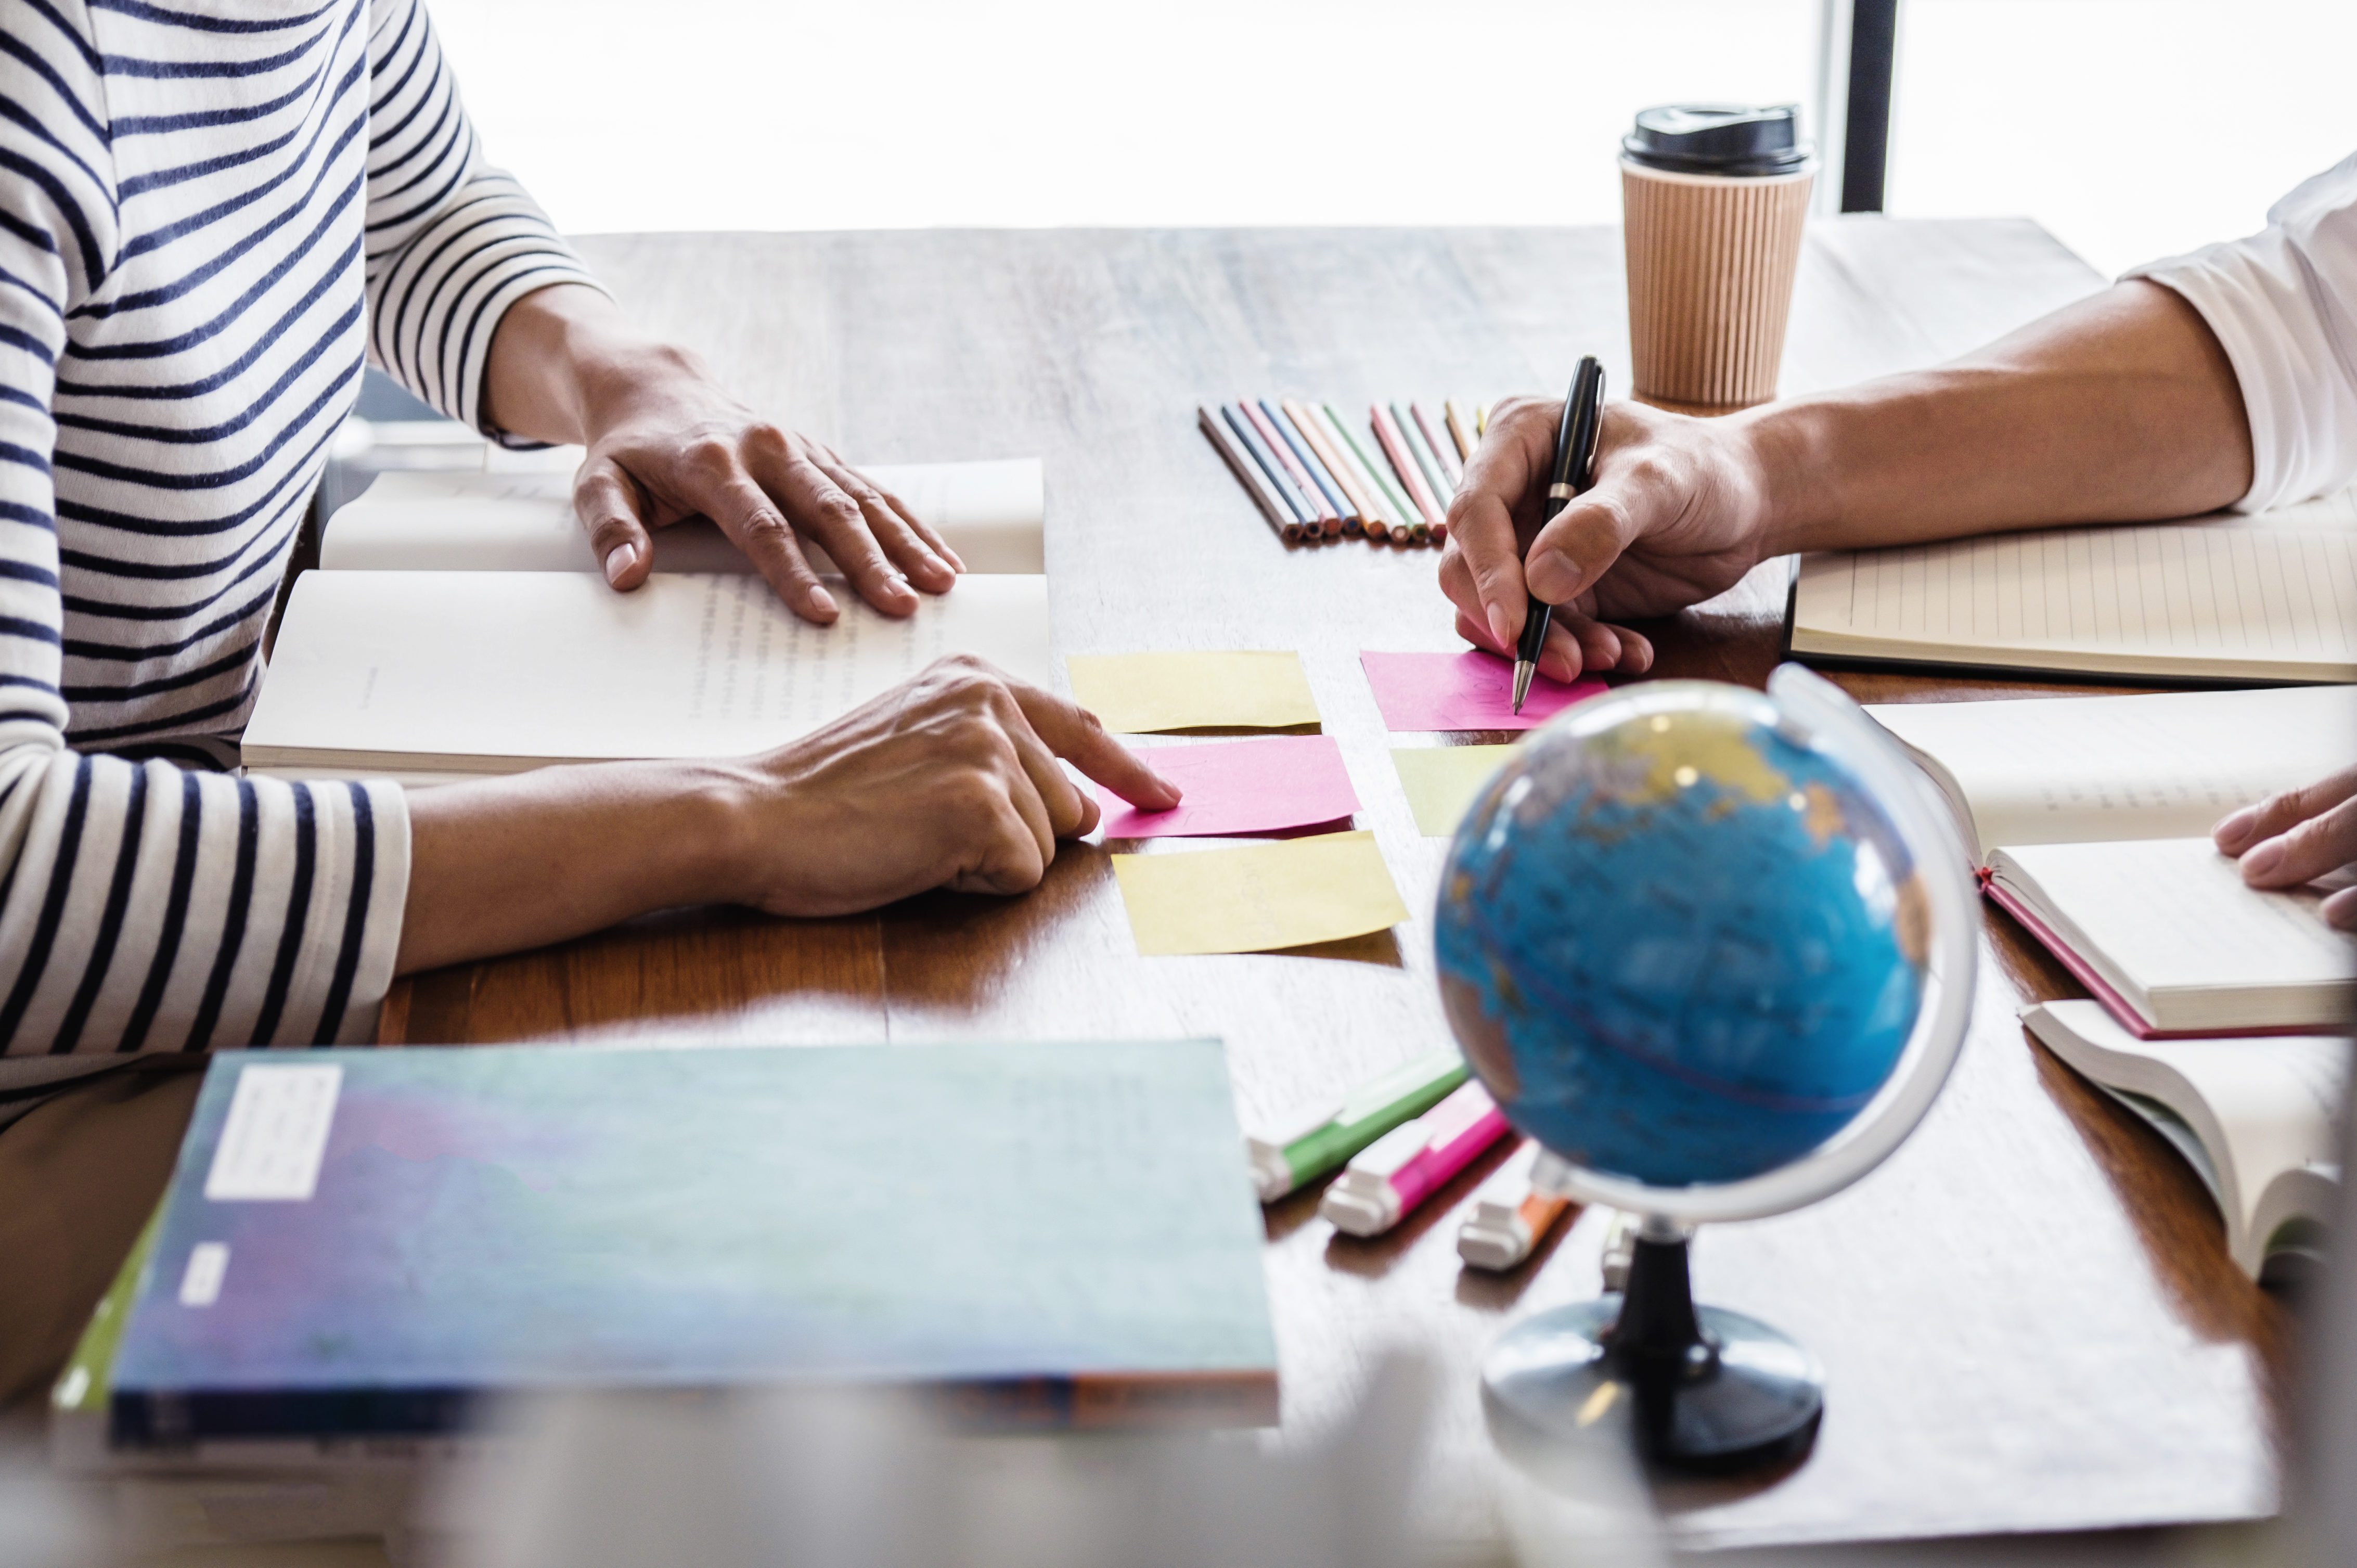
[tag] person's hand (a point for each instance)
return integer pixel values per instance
(1675, 515)
(948, 780)
(666, 444)
(2298, 836)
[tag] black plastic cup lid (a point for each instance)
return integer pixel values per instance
(1731, 139)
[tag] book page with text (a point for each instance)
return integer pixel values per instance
(2269, 596)
(989, 512)
(489, 672)
(2069, 769)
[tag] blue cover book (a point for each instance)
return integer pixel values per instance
(368, 1240)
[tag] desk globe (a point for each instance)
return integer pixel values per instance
(1713, 949)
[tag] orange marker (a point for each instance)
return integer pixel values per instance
(1509, 1217)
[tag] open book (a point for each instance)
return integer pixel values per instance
(458, 627)
(990, 512)
(2265, 597)
(2091, 816)
(2258, 1120)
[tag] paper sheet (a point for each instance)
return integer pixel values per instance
(1442, 780)
(1258, 898)
(431, 521)
(1240, 787)
(1135, 693)
(496, 671)
(1463, 691)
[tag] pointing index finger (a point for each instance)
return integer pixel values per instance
(1073, 734)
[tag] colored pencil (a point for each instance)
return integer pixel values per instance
(1394, 441)
(1263, 495)
(1443, 452)
(1338, 503)
(1363, 508)
(1279, 481)
(1461, 431)
(1481, 420)
(1381, 515)
(1444, 488)
(1396, 510)
(1320, 513)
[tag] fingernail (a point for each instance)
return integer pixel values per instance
(618, 560)
(2235, 827)
(1552, 575)
(2263, 860)
(1498, 625)
(822, 601)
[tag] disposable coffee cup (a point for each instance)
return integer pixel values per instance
(1712, 200)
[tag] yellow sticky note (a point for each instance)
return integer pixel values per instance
(1134, 693)
(1442, 780)
(1250, 900)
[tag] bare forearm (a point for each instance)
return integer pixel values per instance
(518, 863)
(2118, 409)
(556, 352)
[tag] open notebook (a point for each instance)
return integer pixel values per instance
(2265, 598)
(2256, 1118)
(458, 627)
(2091, 815)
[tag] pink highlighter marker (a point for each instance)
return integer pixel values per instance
(1406, 1165)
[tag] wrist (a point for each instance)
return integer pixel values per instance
(712, 826)
(1784, 447)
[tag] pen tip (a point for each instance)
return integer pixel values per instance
(1523, 670)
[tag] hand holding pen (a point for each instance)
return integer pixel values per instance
(1678, 512)
(1574, 473)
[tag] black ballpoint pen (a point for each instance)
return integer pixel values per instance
(1575, 471)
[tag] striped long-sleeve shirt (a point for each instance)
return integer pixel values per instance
(209, 213)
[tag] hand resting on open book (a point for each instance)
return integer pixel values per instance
(2296, 837)
(947, 780)
(666, 442)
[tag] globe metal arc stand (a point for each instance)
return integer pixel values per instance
(1701, 1389)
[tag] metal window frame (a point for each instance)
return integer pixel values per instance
(1858, 47)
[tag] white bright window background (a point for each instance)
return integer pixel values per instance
(2130, 128)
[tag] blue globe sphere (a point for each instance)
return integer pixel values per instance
(1678, 944)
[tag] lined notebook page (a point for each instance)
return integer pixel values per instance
(2229, 598)
(2168, 919)
(2055, 770)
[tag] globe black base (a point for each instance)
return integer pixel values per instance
(1700, 1389)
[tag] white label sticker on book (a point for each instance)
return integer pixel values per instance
(200, 1284)
(275, 1133)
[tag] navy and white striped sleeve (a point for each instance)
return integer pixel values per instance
(142, 907)
(451, 243)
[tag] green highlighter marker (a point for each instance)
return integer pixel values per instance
(1322, 1142)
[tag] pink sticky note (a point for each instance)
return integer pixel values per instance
(1473, 689)
(1240, 787)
